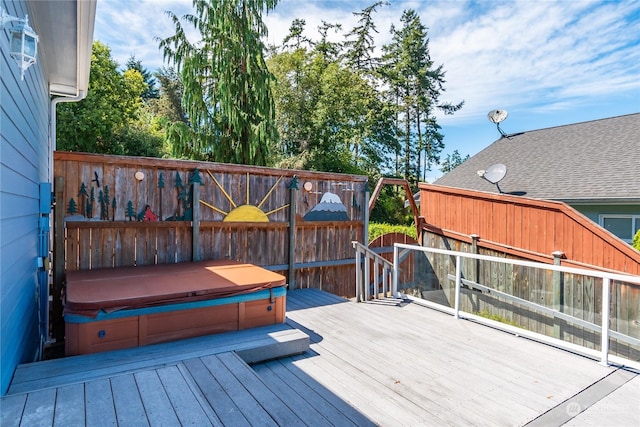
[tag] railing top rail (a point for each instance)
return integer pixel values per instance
(358, 245)
(594, 273)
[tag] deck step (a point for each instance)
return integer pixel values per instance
(252, 345)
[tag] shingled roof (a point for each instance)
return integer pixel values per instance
(590, 162)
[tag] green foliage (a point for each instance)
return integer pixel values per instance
(330, 117)
(389, 207)
(111, 119)
(378, 229)
(226, 83)
(415, 87)
(150, 91)
(498, 318)
(636, 241)
(452, 161)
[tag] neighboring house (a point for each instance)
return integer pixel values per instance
(592, 166)
(65, 31)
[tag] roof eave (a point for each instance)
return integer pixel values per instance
(65, 30)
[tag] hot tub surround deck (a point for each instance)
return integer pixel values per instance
(110, 309)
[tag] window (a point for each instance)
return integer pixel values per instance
(623, 226)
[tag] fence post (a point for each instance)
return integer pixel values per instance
(365, 231)
(195, 223)
(604, 335)
(557, 302)
(293, 188)
(476, 262)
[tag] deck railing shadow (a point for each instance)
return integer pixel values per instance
(301, 390)
(591, 312)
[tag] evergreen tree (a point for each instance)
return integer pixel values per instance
(452, 161)
(151, 91)
(416, 87)
(359, 44)
(226, 82)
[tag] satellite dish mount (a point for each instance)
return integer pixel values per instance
(494, 174)
(498, 116)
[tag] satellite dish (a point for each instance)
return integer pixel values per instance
(494, 174)
(497, 116)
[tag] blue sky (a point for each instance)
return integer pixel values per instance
(548, 63)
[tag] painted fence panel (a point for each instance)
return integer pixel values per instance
(127, 211)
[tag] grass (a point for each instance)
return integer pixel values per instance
(498, 318)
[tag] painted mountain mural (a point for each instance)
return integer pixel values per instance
(330, 208)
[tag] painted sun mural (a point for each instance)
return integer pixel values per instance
(244, 212)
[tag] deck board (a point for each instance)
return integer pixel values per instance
(368, 364)
(127, 401)
(54, 373)
(157, 405)
(457, 371)
(99, 408)
(281, 414)
(188, 409)
(69, 406)
(225, 408)
(11, 410)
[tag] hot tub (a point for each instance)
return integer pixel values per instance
(110, 309)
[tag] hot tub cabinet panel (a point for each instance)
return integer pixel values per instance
(152, 325)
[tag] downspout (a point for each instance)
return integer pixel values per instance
(52, 126)
(47, 242)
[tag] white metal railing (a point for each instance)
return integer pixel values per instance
(603, 355)
(380, 286)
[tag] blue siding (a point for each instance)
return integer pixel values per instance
(24, 122)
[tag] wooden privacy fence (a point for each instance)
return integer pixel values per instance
(114, 211)
(529, 228)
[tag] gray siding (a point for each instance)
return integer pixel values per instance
(24, 124)
(593, 212)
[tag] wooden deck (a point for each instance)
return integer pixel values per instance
(368, 364)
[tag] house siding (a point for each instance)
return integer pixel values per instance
(24, 163)
(593, 212)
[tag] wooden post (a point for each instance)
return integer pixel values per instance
(365, 232)
(57, 321)
(475, 272)
(195, 223)
(293, 189)
(476, 262)
(558, 292)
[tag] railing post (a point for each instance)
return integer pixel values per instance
(367, 276)
(557, 302)
(458, 280)
(395, 271)
(604, 343)
(358, 273)
(376, 285)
